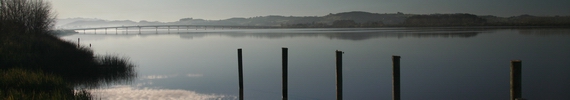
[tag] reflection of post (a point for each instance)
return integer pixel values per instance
(240, 74)
(395, 77)
(515, 79)
(339, 75)
(284, 61)
(105, 30)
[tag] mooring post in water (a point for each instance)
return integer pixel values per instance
(284, 61)
(240, 74)
(339, 75)
(516, 79)
(395, 77)
(78, 40)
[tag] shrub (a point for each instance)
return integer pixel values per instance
(26, 16)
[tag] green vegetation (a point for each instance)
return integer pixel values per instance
(37, 65)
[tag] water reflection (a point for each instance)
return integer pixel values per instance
(152, 77)
(545, 31)
(335, 33)
(344, 34)
(135, 93)
(157, 77)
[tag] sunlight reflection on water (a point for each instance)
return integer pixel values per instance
(135, 93)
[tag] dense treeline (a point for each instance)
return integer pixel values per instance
(474, 20)
(441, 20)
(336, 24)
(444, 20)
(528, 20)
(37, 65)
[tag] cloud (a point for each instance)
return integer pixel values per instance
(130, 93)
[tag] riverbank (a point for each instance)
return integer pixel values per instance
(31, 62)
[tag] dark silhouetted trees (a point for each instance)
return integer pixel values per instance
(445, 20)
(26, 16)
(528, 20)
(344, 23)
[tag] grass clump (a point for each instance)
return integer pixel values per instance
(19, 84)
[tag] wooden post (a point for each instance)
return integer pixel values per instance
(284, 61)
(395, 77)
(339, 75)
(515, 79)
(78, 40)
(240, 74)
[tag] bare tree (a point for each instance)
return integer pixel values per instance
(26, 16)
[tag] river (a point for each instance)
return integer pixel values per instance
(436, 63)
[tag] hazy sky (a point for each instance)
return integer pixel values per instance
(172, 10)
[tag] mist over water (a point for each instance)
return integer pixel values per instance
(436, 63)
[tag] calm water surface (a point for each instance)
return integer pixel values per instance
(436, 63)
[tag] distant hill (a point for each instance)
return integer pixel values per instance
(362, 17)
(271, 20)
(343, 19)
